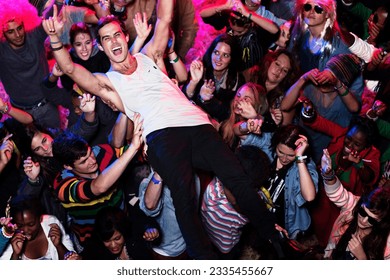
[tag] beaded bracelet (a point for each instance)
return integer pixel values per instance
(6, 234)
(328, 177)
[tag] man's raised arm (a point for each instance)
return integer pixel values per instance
(157, 45)
(53, 27)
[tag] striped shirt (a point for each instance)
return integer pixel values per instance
(76, 196)
(221, 221)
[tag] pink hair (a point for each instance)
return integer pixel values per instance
(18, 10)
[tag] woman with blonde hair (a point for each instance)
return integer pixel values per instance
(247, 111)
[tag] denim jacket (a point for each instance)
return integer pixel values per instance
(297, 217)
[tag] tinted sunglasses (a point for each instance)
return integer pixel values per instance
(308, 7)
(362, 212)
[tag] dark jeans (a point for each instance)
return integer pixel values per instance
(175, 152)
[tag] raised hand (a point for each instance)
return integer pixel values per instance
(31, 168)
(246, 109)
(87, 103)
(55, 234)
(311, 75)
(56, 71)
(301, 144)
(326, 77)
(276, 115)
(254, 125)
(326, 162)
(137, 139)
(17, 243)
(54, 24)
(356, 248)
(141, 25)
(6, 150)
(207, 90)
(353, 156)
(196, 70)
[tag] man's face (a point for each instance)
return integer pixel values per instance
(14, 33)
(114, 42)
(85, 166)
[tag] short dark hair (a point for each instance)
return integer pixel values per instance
(106, 20)
(287, 135)
(22, 203)
(108, 220)
(366, 126)
(69, 147)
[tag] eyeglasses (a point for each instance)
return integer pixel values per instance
(308, 7)
(362, 212)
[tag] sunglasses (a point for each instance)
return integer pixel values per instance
(308, 7)
(362, 212)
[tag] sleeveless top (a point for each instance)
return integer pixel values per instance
(151, 93)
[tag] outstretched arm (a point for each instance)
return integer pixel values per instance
(156, 46)
(53, 27)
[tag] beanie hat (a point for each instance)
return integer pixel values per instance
(345, 67)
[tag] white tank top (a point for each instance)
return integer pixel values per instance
(151, 93)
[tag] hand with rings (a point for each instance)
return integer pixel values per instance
(206, 92)
(301, 145)
(254, 125)
(246, 110)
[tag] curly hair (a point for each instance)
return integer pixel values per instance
(21, 10)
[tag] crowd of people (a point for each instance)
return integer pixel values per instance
(117, 144)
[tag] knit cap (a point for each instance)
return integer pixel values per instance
(345, 67)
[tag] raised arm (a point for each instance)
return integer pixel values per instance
(213, 9)
(96, 84)
(156, 46)
(111, 174)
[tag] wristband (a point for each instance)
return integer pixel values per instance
(56, 49)
(155, 181)
(56, 42)
(250, 16)
(344, 93)
(174, 60)
(300, 158)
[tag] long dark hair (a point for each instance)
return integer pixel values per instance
(110, 219)
(286, 83)
(234, 62)
(374, 244)
(49, 165)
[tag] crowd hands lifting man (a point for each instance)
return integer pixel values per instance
(273, 145)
